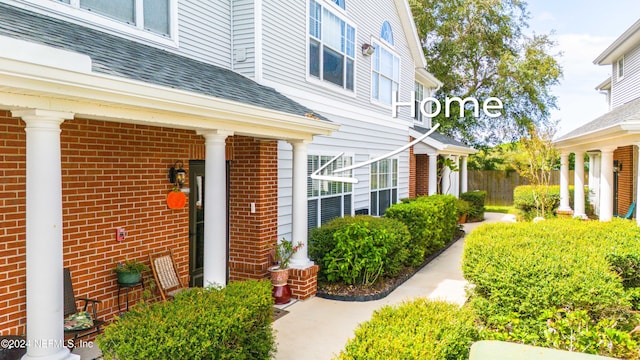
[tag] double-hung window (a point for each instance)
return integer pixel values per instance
(419, 90)
(331, 47)
(328, 199)
(150, 15)
(620, 68)
(384, 185)
(385, 68)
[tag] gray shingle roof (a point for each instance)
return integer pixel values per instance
(124, 58)
(439, 137)
(628, 111)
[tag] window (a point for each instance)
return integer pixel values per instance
(339, 3)
(620, 66)
(384, 185)
(386, 33)
(385, 74)
(331, 47)
(328, 199)
(418, 116)
(150, 15)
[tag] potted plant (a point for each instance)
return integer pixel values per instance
(463, 208)
(282, 253)
(129, 271)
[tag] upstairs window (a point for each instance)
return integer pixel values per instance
(331, 47)
(385, 74)
(339, 3)
(620, 66)
(386, 33)
(150, 15)
(419, 90)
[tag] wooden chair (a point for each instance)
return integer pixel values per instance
(71, 308)
(165, 274)
(629, 213)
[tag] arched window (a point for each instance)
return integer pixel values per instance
(339, 3)
(386, 33)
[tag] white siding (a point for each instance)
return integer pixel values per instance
(628, 88)
(243, 37)
(205, 31)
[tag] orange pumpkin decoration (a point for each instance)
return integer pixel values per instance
(176, 200)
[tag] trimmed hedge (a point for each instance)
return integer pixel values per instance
(421, 329)
(431, 221)
(360, 249)
(476, 199)
(555, 283)
(200, 323)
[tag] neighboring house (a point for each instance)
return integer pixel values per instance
(611, 140)
(98, 101)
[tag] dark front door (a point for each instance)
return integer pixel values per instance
(196, 221)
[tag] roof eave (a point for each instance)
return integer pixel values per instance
(625, 42)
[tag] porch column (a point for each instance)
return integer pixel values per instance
(463, 175)
(446, 178)
(578, 189)
(455, 186)
(45, 304)
(594, 181)
(564, 183)
(215, 215)
(433, 174)
(606, 184)
(300, 260)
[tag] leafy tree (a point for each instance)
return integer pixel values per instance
(477, 48)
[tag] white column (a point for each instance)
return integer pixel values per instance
(215, 214)
(564, 182)
(433, 174)
(606, 184)
(594, 180)
(300, 260)
(45, 304)
(446, 178)
(578, 191)
(463, 175)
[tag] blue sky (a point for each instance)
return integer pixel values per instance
(583, 29)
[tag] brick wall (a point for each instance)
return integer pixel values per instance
(624, 155)
(113, 175)
(422, 175)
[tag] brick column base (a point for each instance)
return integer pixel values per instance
(565, 213)
(304, 282)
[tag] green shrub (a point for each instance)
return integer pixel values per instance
(476, 199)
(525, 274)
(431, 221)
(421, 329)
(627, 266)
(463, 207)
(201, 323)
(358, 250)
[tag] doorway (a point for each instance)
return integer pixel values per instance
(196, 222)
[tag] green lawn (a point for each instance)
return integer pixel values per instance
(500, 209)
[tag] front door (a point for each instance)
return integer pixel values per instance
(196, 221)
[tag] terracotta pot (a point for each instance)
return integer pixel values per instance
(462, 219)
(279, 277)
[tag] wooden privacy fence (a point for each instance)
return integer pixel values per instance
(499, 184)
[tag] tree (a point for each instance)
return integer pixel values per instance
(477, 48)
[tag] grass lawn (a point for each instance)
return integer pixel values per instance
(500, 209)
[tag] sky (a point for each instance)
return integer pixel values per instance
(583, 30)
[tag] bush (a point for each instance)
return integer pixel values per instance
(359, 250)
(476, 199)
(421, 329)
(431, 221)
(462, 208)
(530, 278)
(627, 266)
(229, 323)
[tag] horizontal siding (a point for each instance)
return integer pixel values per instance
(628, 88)
(205, 31)
(244, 37)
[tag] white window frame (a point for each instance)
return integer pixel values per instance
(347, 188)
(393, 183)
(319, 81)
(103, 22)
(418, 117)
(620, 68)
(381, 44)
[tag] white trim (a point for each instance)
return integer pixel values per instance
(618, 67)
(259, 39)
(69, 13)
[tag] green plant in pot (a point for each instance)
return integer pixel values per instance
(463, 208)
(129, 271)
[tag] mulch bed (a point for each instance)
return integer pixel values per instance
(381, 288)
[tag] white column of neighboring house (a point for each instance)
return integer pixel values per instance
(433, 174)
(45, 330)
(564, 182)
(215, 216)
(578, 191)
(446, 178)
(300, 260)
(463, 175)
(455, 187)
(638, 184)
(594, 180)
(606, 183)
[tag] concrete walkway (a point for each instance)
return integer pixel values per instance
(318, 329)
